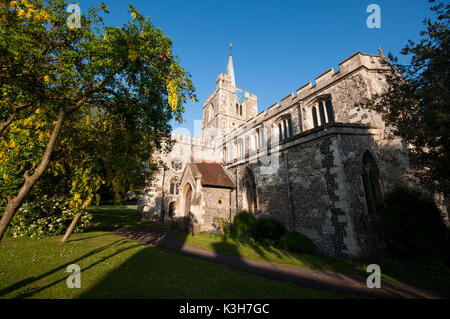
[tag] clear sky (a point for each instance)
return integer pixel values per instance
(278, 46)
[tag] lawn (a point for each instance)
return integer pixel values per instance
(115, 267)
(392, 270)
(257, 251)
(109, 217)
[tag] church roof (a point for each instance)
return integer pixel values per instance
(213, 174)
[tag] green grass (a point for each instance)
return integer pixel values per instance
(391, 270)
(115, 267)
(254, 250)
(109, 217)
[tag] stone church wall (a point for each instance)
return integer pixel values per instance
(312, 181)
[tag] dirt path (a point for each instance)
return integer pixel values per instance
(339, 283)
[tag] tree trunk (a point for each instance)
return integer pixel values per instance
(4, 125)
(447, 206)
(69, 230)
(13, 116)
(14, 202)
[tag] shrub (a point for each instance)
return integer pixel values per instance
(244, 224)
(45, 216)
(297, 242)
(413, 227)
(221, 224)
(267, 228)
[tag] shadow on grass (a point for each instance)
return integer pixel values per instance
(264, 252)
(108, 218)
(86, 238)
(25, 282)
(159, 273)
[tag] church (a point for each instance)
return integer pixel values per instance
(314, 161)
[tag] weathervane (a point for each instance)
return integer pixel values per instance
(231, 48)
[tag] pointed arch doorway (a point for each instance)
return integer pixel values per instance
(186, 212)
(373, 187)
(250, 195)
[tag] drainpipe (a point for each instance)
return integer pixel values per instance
(237, 191)
(162, 198)
(288, 189)
(229, 205)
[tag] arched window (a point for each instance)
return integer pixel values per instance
(240, 109)
(261, 142)
(280, 131)
(326, 113)
(237, 108)
(289, 125)
(371, 182)
(211, 112)
(330, 111)
(255, 146)
(285, 130)
(314, 115)
(323, 120)
(175, 186)
(240, 147)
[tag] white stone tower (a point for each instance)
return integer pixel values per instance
(227, 107)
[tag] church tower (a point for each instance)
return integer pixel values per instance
(228, 107)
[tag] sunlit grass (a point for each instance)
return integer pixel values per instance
(115, 267)
(253, 250)
(257, 251)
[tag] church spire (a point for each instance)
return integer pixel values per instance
(230, 68)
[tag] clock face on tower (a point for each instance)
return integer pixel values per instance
(240, 96)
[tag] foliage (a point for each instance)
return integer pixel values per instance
(416, 103)
(297, 242)
(413, 227)
(267, 228)
(243, 224)
(45, 217)
(83, 108)
(222, 224)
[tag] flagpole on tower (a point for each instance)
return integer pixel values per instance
(231, 48)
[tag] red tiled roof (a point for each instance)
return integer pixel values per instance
(213, 174)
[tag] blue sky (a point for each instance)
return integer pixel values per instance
(278, 46)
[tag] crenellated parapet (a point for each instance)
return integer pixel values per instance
(306, 93)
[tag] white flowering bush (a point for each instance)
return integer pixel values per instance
(46, 216)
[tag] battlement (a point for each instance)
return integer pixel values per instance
(248, 95)
(349, 65)
(191, 140)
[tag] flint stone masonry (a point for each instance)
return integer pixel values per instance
(310, 181)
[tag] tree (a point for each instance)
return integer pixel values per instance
(80, 102)
(416, 103)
